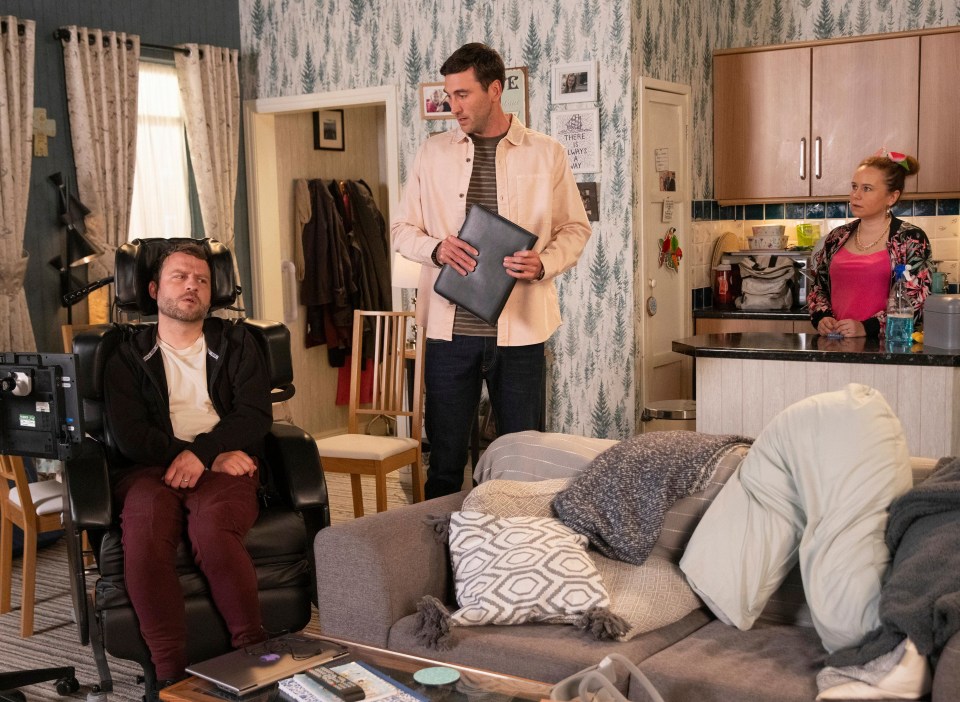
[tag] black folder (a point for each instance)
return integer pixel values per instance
(484, 291)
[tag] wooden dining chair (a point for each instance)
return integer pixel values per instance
(382, 338)
(36, 508)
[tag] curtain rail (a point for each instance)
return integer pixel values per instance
(64, 35)
(21, 28)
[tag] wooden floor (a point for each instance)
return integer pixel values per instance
(399, 492)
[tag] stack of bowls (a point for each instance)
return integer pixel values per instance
(768, 236)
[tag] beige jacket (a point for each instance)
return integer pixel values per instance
(535, 189)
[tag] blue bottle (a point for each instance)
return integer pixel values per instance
(899, 309)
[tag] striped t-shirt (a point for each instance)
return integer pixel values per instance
(483, 191)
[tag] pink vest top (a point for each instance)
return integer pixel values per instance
(859, 285)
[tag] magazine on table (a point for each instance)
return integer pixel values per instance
(377, 686)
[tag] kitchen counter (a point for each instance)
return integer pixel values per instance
(744, 380)
(811, 348)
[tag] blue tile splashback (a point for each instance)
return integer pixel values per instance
(793, 210)
(904, 208)
(773, 211)
(836, 210)
(710, 210)
(948, 207)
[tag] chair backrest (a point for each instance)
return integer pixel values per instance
(382, 337)
(11, 468)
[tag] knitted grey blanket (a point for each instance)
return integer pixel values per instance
(921, 596)
(620, 500)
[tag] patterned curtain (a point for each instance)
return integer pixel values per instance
(210, 90)
(17, 45)
(102, 77)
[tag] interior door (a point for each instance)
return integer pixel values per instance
(662, 292)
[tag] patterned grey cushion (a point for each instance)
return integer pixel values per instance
(520, 569)
(647, 596)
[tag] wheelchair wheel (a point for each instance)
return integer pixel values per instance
(67, 686)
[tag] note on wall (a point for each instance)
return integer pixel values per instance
(662, 159)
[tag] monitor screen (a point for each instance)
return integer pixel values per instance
(39, 406)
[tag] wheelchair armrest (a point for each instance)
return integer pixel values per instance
(295, 462)
(88, 487)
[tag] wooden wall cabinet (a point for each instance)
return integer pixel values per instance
(794, 122)
(939, 146)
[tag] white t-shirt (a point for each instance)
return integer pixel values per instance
(191, 410)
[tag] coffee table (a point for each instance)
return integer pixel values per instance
(496, 686)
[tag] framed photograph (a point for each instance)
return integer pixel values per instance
(328, 130)
(434, 103)
(574, 82)
(579, 132)
(514, 99)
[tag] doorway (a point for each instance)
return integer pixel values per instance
(280, 148)
(662, 297)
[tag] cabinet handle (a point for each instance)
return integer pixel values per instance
(816, 158)
(803, 158)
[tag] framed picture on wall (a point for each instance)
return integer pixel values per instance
(574, 82)
(434, 103)
(514, 99)
(579, 132)
(328, 130)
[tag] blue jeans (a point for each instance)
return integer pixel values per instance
(453, 375)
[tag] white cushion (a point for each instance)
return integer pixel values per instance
(521, 569)
(47, 496)
(363, 446)
(814, 487)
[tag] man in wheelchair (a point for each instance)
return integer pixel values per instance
(188, 402)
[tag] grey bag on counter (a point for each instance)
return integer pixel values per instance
(766, 282)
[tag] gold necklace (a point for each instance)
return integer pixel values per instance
(883, 233)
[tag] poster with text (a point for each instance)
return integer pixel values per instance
(579, 132)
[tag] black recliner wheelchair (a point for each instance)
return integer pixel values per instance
(293, 509)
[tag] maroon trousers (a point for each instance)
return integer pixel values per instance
(217, 513)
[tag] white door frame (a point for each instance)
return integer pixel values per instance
(264, 208)
(683, 218)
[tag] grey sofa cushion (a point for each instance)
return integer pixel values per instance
(720, 663)
(545, 652)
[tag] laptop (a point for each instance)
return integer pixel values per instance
(249, 669)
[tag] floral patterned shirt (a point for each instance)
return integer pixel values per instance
(906, 244)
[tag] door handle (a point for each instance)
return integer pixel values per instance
(803, 158)
(817, 155)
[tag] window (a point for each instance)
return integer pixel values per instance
(161, 190)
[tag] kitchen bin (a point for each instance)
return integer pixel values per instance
(669, 415)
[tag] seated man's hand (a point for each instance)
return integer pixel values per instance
(184, 471)
(234, 463)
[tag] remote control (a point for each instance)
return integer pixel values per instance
(342, 687)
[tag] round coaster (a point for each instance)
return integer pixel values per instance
(436, 676)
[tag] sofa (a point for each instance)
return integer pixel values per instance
(371, 574)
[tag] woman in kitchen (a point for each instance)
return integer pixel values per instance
(853, 270)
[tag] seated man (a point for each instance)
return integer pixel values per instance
(188, 401)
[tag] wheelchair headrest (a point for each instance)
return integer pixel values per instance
(136, 259)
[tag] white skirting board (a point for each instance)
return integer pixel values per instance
(739, 396)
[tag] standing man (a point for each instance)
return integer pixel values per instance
(188, 401)
(494, 160)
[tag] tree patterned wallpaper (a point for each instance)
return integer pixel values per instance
(293, 47)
